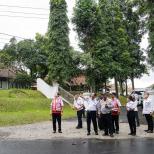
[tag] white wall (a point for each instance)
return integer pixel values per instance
(45, 89)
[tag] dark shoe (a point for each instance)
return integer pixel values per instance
(146, 130)
(88, 134)
(54, 132)
(105, 134)
(59, 131)
(134, 134)
(130, 133)
(149, 131)
(117, 132)
(96, 133)
(111, 135)
(78, 127)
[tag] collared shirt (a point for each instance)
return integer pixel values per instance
(78, 104)
(136, 109)
(105, 106)
(90, 105)
(131, 106)
(147, 106)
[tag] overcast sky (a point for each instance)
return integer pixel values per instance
(28, 27)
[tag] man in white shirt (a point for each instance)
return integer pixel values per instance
(148, 111)
(91, 109)
(136, 98)
(105, 114)
(78, 106)
(130, 106)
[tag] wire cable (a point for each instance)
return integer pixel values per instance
(23, 17)
(13, 36)
(25, 13)
(24, 7)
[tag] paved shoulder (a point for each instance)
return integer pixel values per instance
(43, 130)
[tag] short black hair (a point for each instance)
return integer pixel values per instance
(131, 98)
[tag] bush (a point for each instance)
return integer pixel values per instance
(123, 100)
(22, 80)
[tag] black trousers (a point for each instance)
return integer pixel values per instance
(137, 118)
(91, 116)
(131, 121)
(79, 116)
(84, 115)
(115, 123)
(100, 123)
(56, 117)
(107, 121)
(149, 120)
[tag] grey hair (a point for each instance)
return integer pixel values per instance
(147, 93)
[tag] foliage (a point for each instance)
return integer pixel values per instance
(23, 80)
(110, 34)
(59, 60)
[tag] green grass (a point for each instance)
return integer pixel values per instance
(123, 100)
(25, 107)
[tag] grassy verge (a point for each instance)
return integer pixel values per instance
(123, 100)
(25, 107)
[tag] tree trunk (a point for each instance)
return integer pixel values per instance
(105, 86)
(133, 86)
(126, 88)
(121, 88)
(116, 87)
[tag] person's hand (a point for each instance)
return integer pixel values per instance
(106, 106)
(151, 113)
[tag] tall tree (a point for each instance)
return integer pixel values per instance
(134, 30)
(85, 21)
(58, 35)
(119, 60)
(150, 12)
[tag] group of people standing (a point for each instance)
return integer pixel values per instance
(103, 112)
(148, 110)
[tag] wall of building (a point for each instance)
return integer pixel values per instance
(3, 84)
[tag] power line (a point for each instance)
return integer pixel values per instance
(25, 13)
(13, 36)
(24, 7)
(22, 17)
(4, 42)
(4, 38)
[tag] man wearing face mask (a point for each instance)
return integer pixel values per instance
(148, 112)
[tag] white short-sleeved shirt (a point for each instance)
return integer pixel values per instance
(147, 106)
(78, 104)
(90, 105)
(131, 106)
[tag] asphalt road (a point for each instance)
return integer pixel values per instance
(80, 146)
